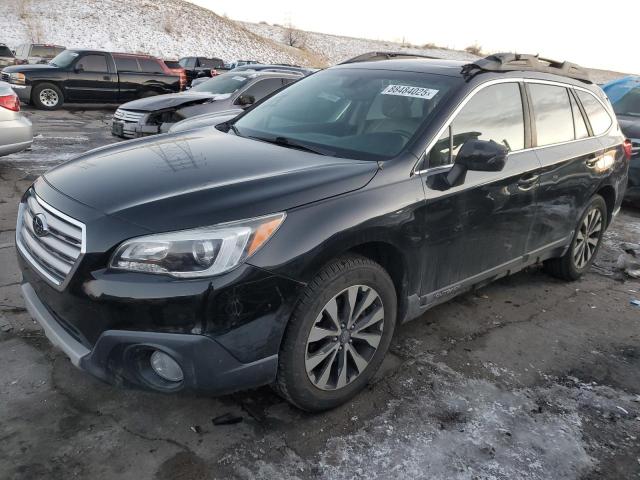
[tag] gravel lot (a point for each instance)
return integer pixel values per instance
(529, 378)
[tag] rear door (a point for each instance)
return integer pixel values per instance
(128, 72)
(93, 79)
(568, 152)
(479, 228)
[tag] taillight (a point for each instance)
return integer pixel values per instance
(628, 148)
(214, 72)
(10, 102)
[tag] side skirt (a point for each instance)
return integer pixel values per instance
(417, 305)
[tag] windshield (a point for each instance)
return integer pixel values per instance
(225, 83)
(64, 59)
(353, 113)
(44, 51)
(5, 51)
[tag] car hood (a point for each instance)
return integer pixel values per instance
(630, 125)
(205, 120)
(202, 177)
(170, 100)
(29, 68)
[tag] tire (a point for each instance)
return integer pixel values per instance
(47, 96)
(593, 223)
(315, 389)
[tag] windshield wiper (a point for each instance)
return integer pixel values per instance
(234, 129)
(289, 143)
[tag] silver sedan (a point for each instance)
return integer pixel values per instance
(16, 132)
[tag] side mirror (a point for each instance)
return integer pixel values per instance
(478, 156)
(245, 100)
(482, 156)
(78, 68)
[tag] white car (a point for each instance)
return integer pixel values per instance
(16, 131)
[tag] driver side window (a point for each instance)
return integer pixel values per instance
(494, 113)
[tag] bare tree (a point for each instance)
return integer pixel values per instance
(294, 37)
(474, 49)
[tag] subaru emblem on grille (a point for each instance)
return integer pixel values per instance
(40, 226)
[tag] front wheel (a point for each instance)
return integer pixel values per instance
(338, 335)
(47, 96)
(585, 244)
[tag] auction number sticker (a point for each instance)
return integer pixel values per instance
(409, 91)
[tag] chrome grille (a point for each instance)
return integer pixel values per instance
(56, 253)
(128, 116)
(5, 77)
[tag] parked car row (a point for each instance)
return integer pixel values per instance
(231, 91)
(48, 76)
(285, 245)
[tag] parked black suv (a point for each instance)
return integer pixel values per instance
(285, 247)
(6, 56)
(91, 76)
(197, 67)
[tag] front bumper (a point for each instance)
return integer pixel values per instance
(118, 356)
(123, 129)
(23, 92)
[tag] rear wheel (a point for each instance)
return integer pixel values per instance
(585, 244)
(47, 96)
(338, 334)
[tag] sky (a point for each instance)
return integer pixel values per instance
(594, 34)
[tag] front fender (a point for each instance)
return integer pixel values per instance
(314, 234)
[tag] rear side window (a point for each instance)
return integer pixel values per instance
(552, 113)
(93, 63)
(262, 88)
(126, 64)
(149, 65)
(579, 125)
(494, 113)
(598, 117)
(211, 63)
(5, 51)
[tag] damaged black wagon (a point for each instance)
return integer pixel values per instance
(285, 246)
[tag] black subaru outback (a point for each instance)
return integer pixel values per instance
(284, 246)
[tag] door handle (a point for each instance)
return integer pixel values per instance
(592, 161)
(107, 77)
(528, 181)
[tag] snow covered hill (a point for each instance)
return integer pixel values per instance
(172, 29)
(176, 28)
(167, 28)
(337, 48)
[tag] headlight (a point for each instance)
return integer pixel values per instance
(17, 78)
(200, 252)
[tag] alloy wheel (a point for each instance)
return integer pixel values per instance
(49, 97)
(587, 238)
(344, 338)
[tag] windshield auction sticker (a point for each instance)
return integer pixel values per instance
(409, 91)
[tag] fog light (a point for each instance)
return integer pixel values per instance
(166, 367)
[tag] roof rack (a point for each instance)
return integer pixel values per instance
(511, 62)
(377, 56)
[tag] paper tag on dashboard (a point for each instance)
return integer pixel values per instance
(409, 91)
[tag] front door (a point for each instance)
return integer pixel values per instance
(92, 80)
(479, 228)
